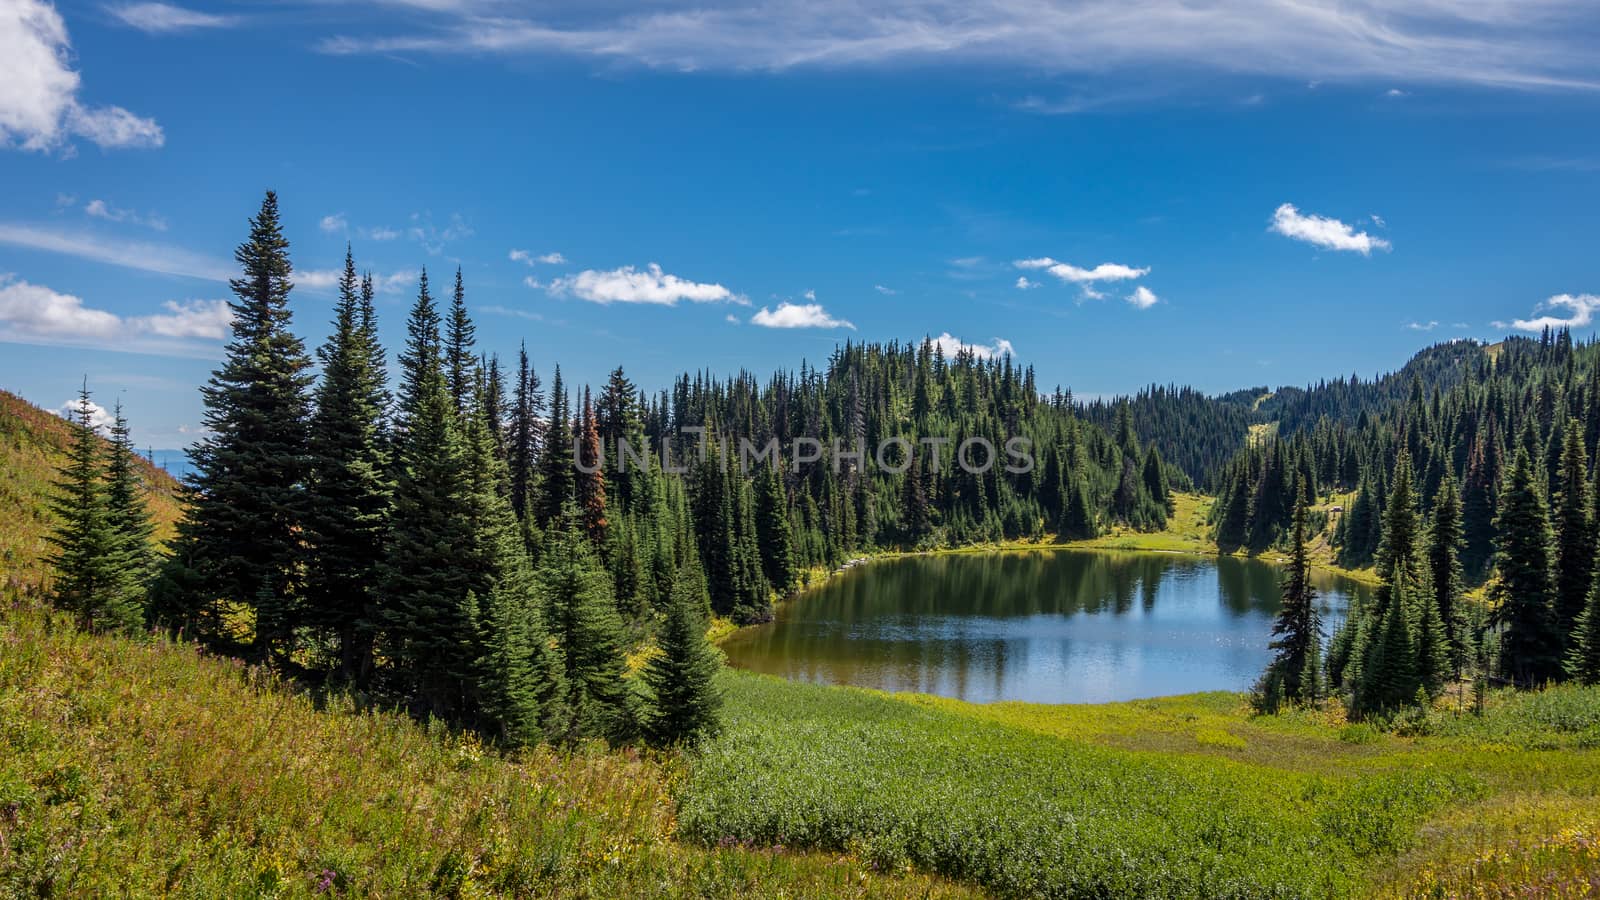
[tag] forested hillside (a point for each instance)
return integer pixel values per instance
(33, 444)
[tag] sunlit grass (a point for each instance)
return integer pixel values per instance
(144, 767)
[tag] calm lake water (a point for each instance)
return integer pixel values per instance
(1045, 627)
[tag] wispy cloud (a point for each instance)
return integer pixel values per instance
(950, 345)
(323, 280)
(163, 18)
(886, 291)
(1324, 232)
(797, 315)
(1580, 311)
(496, 310)
(630, 285)
(100, 209)
(35, 314)
(433, 238)
(526, 258)
(1085, 279)
(39, 105)
(1024, 284)
(1489, 43)
(139, 255)
(1423, 326)
(334, 223)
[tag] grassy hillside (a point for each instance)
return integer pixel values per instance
(145, 767)
(32, 443)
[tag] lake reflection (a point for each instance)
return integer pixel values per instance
(1045, 627)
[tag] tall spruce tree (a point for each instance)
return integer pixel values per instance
(1298, 629)
(685, 701)
(460, 359)
(1444, 567)
(1575, 547)
(95, 573)
(582, 616)
(429, 606)
(1523, 594)
(125, 500)
(242, 541)
(773, 534)
(349, 488)
(557, 482)
(590, 476)
(520, 695)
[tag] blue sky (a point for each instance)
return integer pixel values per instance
(1224, 195)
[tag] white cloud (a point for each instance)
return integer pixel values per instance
(1023, 284)
(34, 313)
(1074, 275)
(731, 319)
(550, 259)
(1321, 231)
(1498, 43)
(381, 233)
(950, 345)
(145, 257)
(1143, 298)
(39, 105)
(100, 209)
(334, 223)
(1423, 326)
(100, 418)
(886, 291)
(1580, 313)
(629, 285)
(321, 280)
(1085, 279)
(797, 315)
(161, 18)
(209, 319)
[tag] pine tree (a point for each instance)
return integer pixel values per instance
(1575, 549)
(520, 675)
(590, 477)
(1523, 593)
(526, 433)
(460, 361)
(1583, 654)
(684, 699)
(1298, 630)
(242, 542)
(125, 501)
(556, 482)
(96, 575)
(1444, 568)
(1389, 668)
(1386, 676)
(773, 534)
(429, 606)
(348, 492)
(582, 616)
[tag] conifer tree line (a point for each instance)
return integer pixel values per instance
(461, 535)
(1490, 480)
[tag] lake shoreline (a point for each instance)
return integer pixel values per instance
(1174, 540)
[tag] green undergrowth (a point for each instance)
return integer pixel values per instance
(1187, 796)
